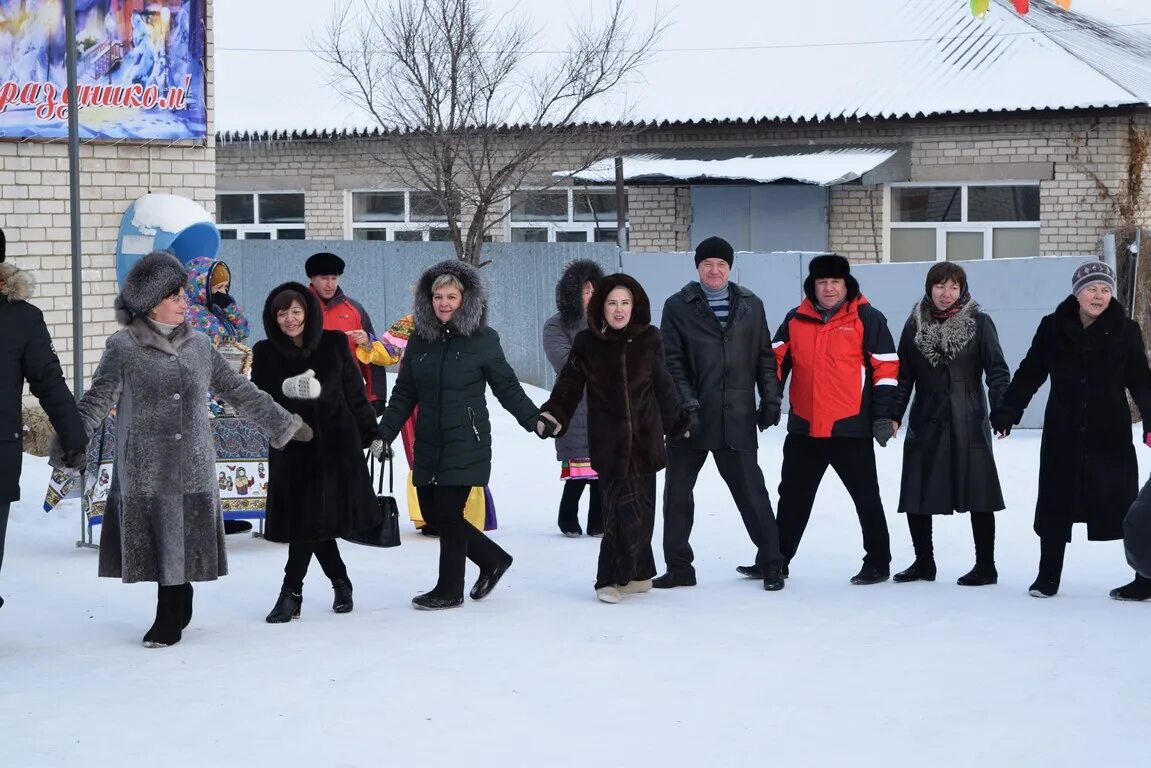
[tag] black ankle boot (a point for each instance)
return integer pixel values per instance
(430, 601)
(918, 571)
(342, 601)
(185, 595)
(167, 628)
(1137, 590)
(979, 576)
(287, 607)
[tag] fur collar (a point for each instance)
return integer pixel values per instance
(18, 284)
(146, 335)
(469, 319)
(940, 343)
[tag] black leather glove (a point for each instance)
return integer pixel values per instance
(222, 300)
(1001, 422)
(546, 426)
(693, 423)
(883, 430)
(768, 415)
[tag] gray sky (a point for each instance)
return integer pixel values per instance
(287, 86)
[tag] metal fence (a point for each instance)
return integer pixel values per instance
(522, 276)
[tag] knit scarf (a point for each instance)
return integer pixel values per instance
(940, 341)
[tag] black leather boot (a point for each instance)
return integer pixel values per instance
(487, 581)
(1137, 590)
(430, 601)
(287, 607)
(186, 604)
(167, 628)
(979, 576)
(342, 600)
(919, 571)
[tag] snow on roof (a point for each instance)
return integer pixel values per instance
(900, 58)
(749, 60)
(823, 167)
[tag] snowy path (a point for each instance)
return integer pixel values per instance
(542, 675)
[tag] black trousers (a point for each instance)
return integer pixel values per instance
(744, 478)
(805, 460)
(5, 507)
(625, 553)
(569, 506)
(460, 541)
(982, 531)
(300, 557)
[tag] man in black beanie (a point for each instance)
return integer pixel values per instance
(342, 313)
(718, 350)
(826, 343)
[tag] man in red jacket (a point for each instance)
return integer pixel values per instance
(342, 313)
(844, 370)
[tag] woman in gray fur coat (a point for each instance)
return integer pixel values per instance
(947, 348)
(573, 291)
(162, 521)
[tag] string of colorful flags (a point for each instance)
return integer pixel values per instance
(979, 8)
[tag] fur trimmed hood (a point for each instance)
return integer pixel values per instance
(18, 284)
(153, 279)
(569, 290)
(940, 343)
(470, 318)
(313, 322)
(640, 311)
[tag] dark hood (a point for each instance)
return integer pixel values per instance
(471, 317)
(640, 312)
(313, 321)
(569, 290)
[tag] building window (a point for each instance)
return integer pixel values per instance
(963, 222)
(260, 215)
(398, 216)
(575, 215)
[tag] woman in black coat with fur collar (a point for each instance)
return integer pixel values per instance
(1093, 355)
(947, 348)
(632, 403)
(320, 490)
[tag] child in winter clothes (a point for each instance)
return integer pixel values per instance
(632, 403)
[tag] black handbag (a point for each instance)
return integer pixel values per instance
(386, 533)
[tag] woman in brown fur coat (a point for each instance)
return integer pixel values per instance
(632, 404)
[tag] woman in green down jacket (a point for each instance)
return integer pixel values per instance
(450, 360)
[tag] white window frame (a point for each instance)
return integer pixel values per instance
(243, 231)
(571, 225)
(390, 227)
(963, 225)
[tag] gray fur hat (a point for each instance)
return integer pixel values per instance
(153, 279)
(472, 316)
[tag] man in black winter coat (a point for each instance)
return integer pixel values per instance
(718, 349)
(26, 354)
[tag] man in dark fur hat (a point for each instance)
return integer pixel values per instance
(342, 313)
(826, 343)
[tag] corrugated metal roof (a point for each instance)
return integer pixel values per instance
(902, 58)
(822, 167)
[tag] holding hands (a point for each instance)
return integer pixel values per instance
(547, 426)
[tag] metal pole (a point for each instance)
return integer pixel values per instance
(74, 209)
(620, 209)
(1135, 270)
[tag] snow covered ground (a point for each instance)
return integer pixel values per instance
(541, 674)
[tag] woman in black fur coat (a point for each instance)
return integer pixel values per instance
(947, 348)
(321, 490)
(632, 403)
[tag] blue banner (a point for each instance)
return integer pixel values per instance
(140, 69)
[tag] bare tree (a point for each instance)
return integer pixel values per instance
(471, 119)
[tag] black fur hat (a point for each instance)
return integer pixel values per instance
(153, 279)
(323, 263)
(830, 265)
